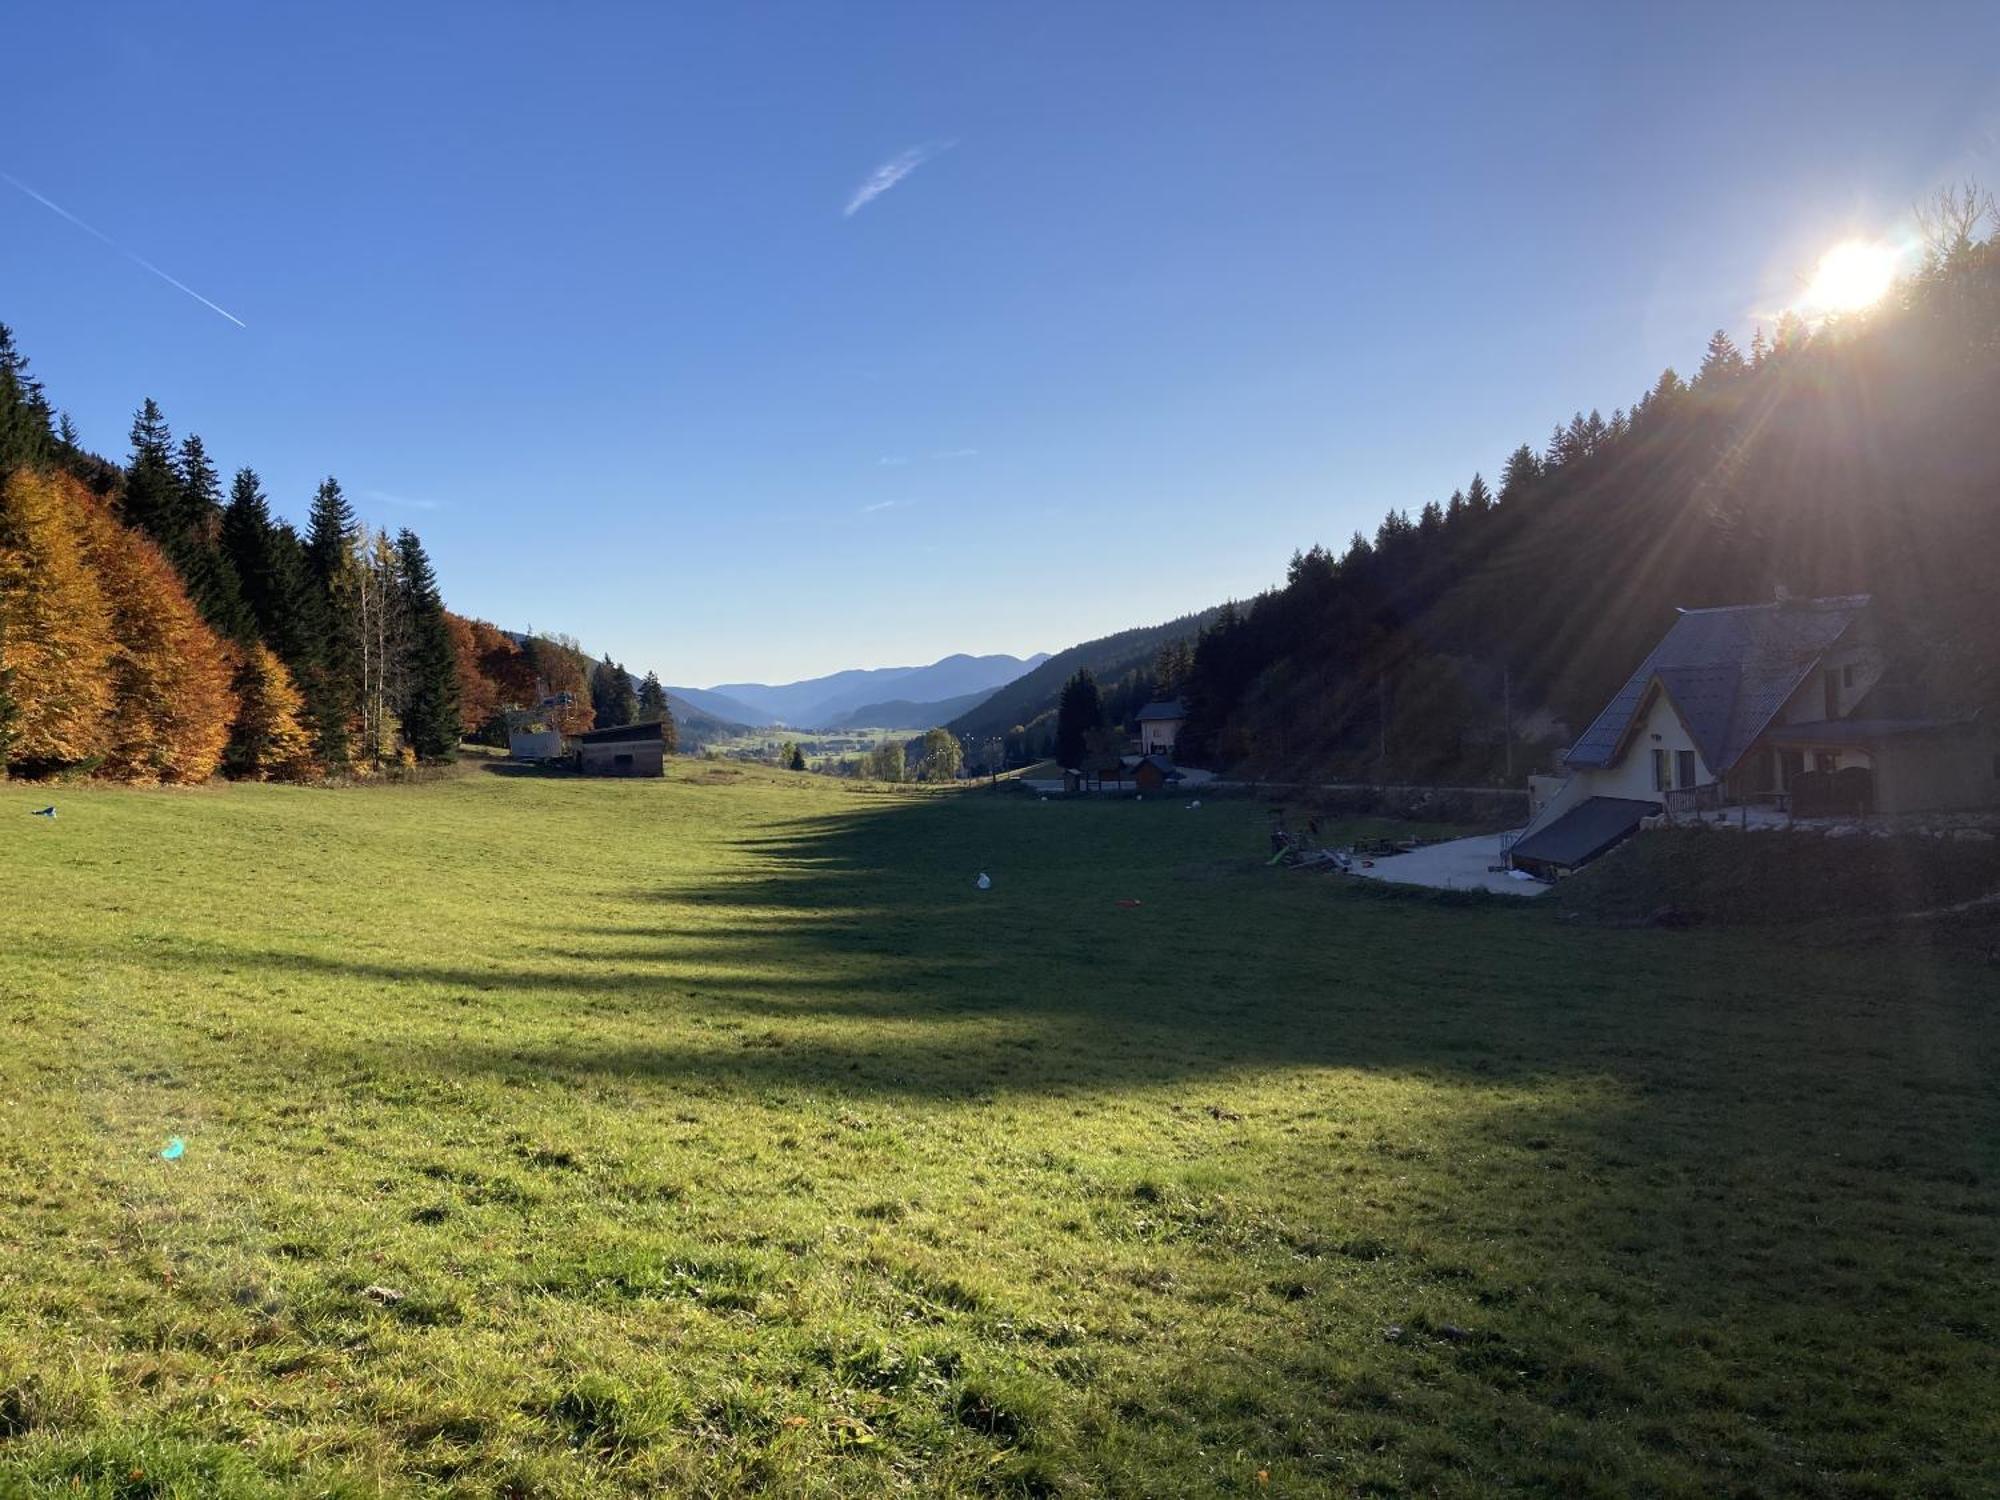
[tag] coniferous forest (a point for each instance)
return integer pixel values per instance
(154, 628)
(1472, 640)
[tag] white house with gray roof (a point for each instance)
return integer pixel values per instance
(1791, 704)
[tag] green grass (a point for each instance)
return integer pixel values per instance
(718, 1135)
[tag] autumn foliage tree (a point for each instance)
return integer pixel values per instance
(170, 673)
(56, 655)
(269, 740)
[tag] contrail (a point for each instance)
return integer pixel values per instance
(131, 255)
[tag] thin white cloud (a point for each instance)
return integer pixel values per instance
(891, 172)
(957, 453)
(405, 502)
(892, 461)
(132, 255)
(869, 510)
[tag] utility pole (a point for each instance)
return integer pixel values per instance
(1507, 708)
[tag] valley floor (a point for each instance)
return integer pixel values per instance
(549, 1137)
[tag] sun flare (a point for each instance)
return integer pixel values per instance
(1852, 275)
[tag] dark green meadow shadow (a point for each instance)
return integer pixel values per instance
(855, 950)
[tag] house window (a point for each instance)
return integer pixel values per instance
(1847, 676)
(1684, 769)
(1826, 762)
(1662, 777)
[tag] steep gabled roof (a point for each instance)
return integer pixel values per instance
(1169, 708)
(1728, 672)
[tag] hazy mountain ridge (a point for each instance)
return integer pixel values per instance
(905, 713)
(823, 702)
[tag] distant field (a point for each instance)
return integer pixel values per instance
(548, 1137)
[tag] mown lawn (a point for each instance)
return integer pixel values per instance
(548, 1137)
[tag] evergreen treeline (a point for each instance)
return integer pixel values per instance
(1018, 724)
(151, 629)
(1465, 642)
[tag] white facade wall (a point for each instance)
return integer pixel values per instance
(1632, 777)
(1156, 736)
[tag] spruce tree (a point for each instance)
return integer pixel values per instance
(25, 437)
(333, 687)
(430, 699)
(330, 533)
(1478, 499)
(1523, 469)
(152, 500)
(652, 700)
(1079, 713)
(1721, 362)
(196, 547)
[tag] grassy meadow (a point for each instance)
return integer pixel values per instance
(548, 1137)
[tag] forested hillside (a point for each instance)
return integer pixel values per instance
(1023, 713)
(1859, 456)
(152, 630)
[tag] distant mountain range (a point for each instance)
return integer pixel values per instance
(913, 697)
(905, 713)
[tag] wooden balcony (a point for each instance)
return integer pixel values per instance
(1691, 801)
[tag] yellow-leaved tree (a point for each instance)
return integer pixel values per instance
(56, 646)
(169, 672)
(268, 741)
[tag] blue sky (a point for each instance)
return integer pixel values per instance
(1157, 293)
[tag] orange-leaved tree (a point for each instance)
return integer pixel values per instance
(56, 650)
(169, 672)
(268, 741)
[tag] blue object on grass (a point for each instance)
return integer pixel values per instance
(174, 1149)
(44, 812)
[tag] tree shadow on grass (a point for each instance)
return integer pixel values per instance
(855, 951)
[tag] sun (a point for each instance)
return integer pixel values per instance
(1852, 275)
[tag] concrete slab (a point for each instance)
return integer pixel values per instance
(1457, 865)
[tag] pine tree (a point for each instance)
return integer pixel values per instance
(25, 437)
(1722, 363)
(430, 697)
(1079, 713)
(196, 547)
(270, 569)
(152, 498)
(330, 533)
(1521, 473)
(611, 695)
(652, 699)
(334, 684)
(1478, 499)
(654, 708)
(797, 761)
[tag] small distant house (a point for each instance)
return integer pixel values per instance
(628, 750)
(1150, 773)
(1160, 725)
(1792, 705)
(1123, 773)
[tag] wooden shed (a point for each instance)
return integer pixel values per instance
(628, 750)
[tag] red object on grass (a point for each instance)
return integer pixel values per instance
(1127, 901)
